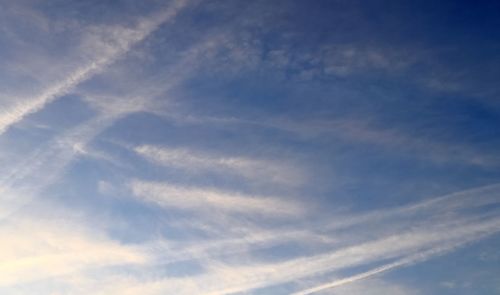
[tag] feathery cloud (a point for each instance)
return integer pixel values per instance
(113, 44)
(202, 198)
(250, 168)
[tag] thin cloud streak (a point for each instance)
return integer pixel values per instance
(415, 239)
(246, 238)
(197, 162)
(154, 205)
(448, 204)
(45, 165)
(126, 38)
(224, 278)
(24, 181)
(406, 261)
(373, 251)
(43, 168)
(201, 199)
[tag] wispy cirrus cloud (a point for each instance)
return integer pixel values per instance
(274, 171)
(230, 151)
(418, 240)
(36, 249)
(471, 233)
(25, 180)
(203, 198)
(370, 252)
(362, 131)
(110, 43)
(414, 242)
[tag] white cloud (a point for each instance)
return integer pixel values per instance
(35, 249)
(202, 199)
(58, 242)
(22, 182)
(374, 287)
(432, 241)
(109, 45)
(267, 170)
(419, 240)
(362, 131)
(356, 131)
(89, 262)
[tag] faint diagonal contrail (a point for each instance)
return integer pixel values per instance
(405, 261)
(125, 39)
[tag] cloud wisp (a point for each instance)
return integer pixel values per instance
(193, 147)
(24, 181)
(62, 247)
(482, 232)
(417, 241)
(277, 172)
(434, 229)
(171, 196)
(121, 41)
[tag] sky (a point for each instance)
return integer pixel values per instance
(249, 147)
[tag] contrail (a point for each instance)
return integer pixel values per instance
(40, 169)
(405, 261)
(129, 37)
(352, 279)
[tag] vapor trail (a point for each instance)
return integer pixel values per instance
(405, 261)
(122, 40)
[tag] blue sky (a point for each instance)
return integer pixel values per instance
(249, 147)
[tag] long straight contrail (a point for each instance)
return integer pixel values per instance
(405, 261)
(38, 170)
(352, 279)
(126, 38)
